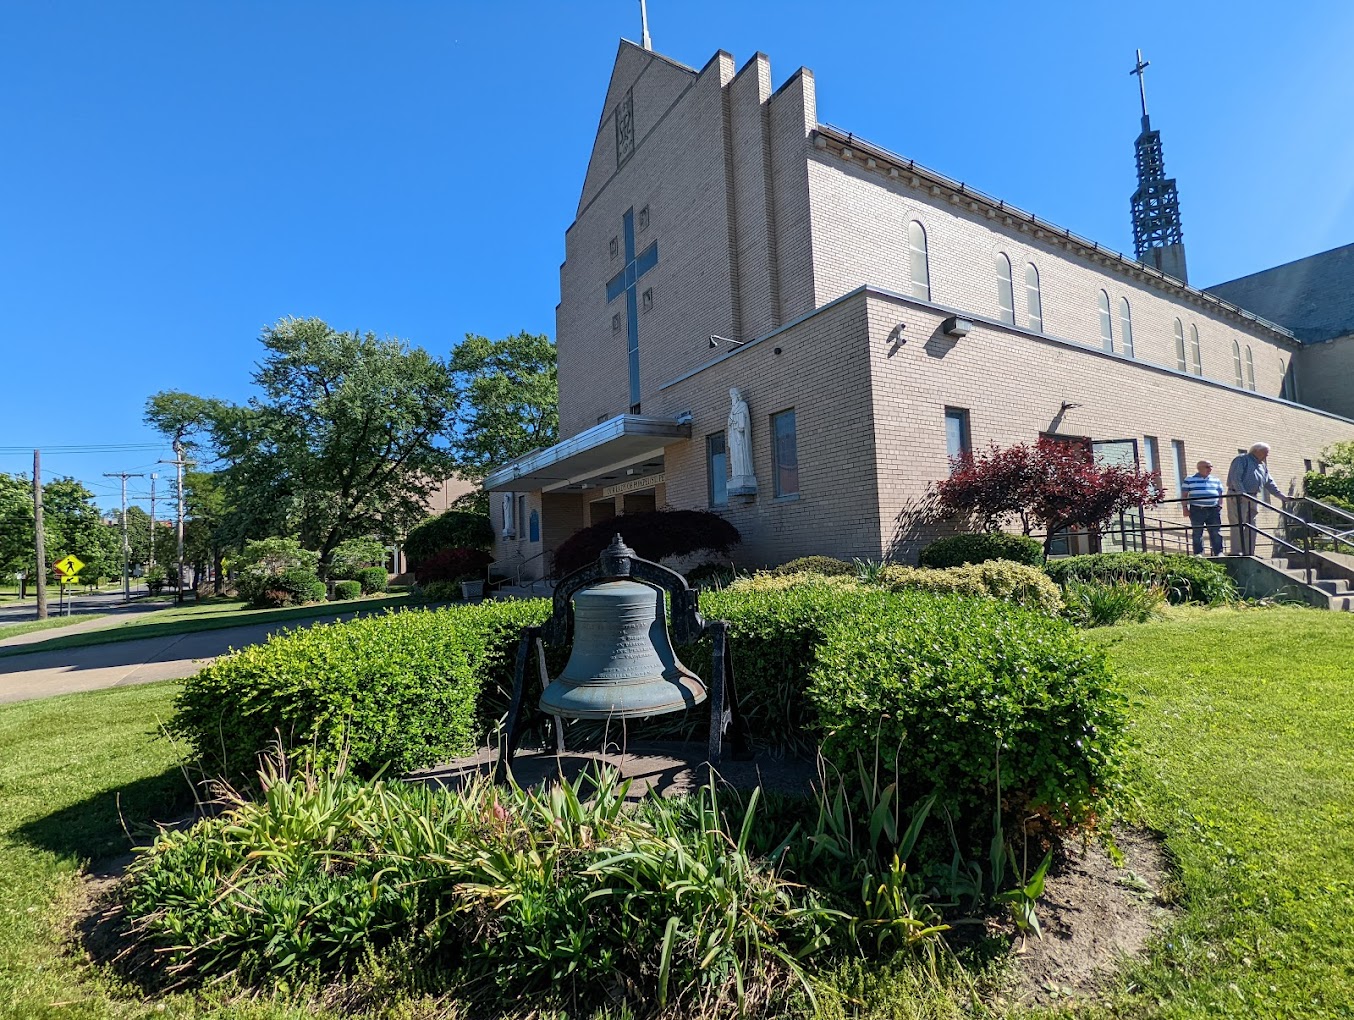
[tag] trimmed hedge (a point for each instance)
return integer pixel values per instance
(403, 690)
(455, 529)
(1184, 578)
(938, 685)
(999, 579)
(372, 579)
(653, 535)
(346, 590)
(980, 547)
(825, 565)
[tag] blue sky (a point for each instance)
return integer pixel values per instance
(178, 175)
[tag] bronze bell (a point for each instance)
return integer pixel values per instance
(622, 665)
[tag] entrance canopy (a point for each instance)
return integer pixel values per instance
(623, 448)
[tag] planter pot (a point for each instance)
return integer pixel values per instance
(472, 589)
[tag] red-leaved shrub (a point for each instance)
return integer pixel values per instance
(652, 535)
(453, 565)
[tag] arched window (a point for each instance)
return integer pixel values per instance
(1005, 290)
(1033, 305)
(1290, 382)
(1126, 327)
(1179, 345)
(1106, 323)
(921, 269)
(1236, 362)
(1196, 356)
(1250, 369)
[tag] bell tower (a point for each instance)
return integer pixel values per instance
(1157, 237)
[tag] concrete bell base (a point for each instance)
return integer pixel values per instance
(669, 769)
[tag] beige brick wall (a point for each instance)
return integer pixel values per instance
(721, 170)
(821, 371)
(1014, 383)
(1325, 375)
(860, 220)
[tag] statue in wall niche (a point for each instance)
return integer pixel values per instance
(508, 529)
(742, 480)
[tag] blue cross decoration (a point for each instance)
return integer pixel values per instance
(627, 280)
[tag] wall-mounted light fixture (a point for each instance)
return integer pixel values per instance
(956, 327)
(1067, 406)
(716, 340)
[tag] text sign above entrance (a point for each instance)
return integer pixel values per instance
(634, 485)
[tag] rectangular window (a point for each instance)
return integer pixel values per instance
(1181, 470)
(785, 453)
(717, 469)
(1306, 465)
(521, 513)
(958, 442)
(1153, 457)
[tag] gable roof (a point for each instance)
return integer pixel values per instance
(661, 82)
(1314, 296)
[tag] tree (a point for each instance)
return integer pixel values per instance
(1055, 485)
(348, 436)
(72, 524)
(509, 394)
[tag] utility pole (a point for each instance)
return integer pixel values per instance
(153, 475)
(41, 539)
(179, 463)
(126, 546)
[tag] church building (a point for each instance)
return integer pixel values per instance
(770, 318)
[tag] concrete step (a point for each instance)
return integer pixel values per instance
(1333, 587)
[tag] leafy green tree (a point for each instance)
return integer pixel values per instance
(348, 436)
(509, 393)
(352, 554)
(71, 524)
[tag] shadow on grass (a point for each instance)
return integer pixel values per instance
(327, 612)
(113, 822)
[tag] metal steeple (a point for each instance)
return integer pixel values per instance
(1157, 237)
(645, 41)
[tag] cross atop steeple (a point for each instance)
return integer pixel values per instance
(1138, 69)
(1157, 237)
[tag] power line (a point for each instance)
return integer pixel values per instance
(86, 448)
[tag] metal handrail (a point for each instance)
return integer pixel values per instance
(517, 575)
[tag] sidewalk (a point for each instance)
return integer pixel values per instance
(121, 663)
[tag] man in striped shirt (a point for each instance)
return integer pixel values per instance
(1202, 495)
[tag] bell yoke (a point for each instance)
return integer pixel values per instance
(622, 664)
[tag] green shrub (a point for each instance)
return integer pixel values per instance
(710, 575)
(493, 892)
(351, 555)
(1103, 604)
(403, 690)
(1184, 578)
(441, 591)
(946, 683)
(1011, 582)
(1330, 488)
(776, 626)
(372, 579)
(346, 590)
(824, 565)
(455, 529)
(979, 547)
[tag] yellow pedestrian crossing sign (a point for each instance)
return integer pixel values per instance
(68, 567)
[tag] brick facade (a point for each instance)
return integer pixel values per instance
(793, 238)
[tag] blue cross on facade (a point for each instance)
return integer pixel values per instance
(627, 280)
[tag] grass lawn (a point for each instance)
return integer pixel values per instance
(51, 623)
(213, 614)
(1246, 730)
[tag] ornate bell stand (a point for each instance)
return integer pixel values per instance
(633, 672)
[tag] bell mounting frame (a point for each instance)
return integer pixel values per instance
(618, 562)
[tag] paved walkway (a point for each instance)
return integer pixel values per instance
(120, 663)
